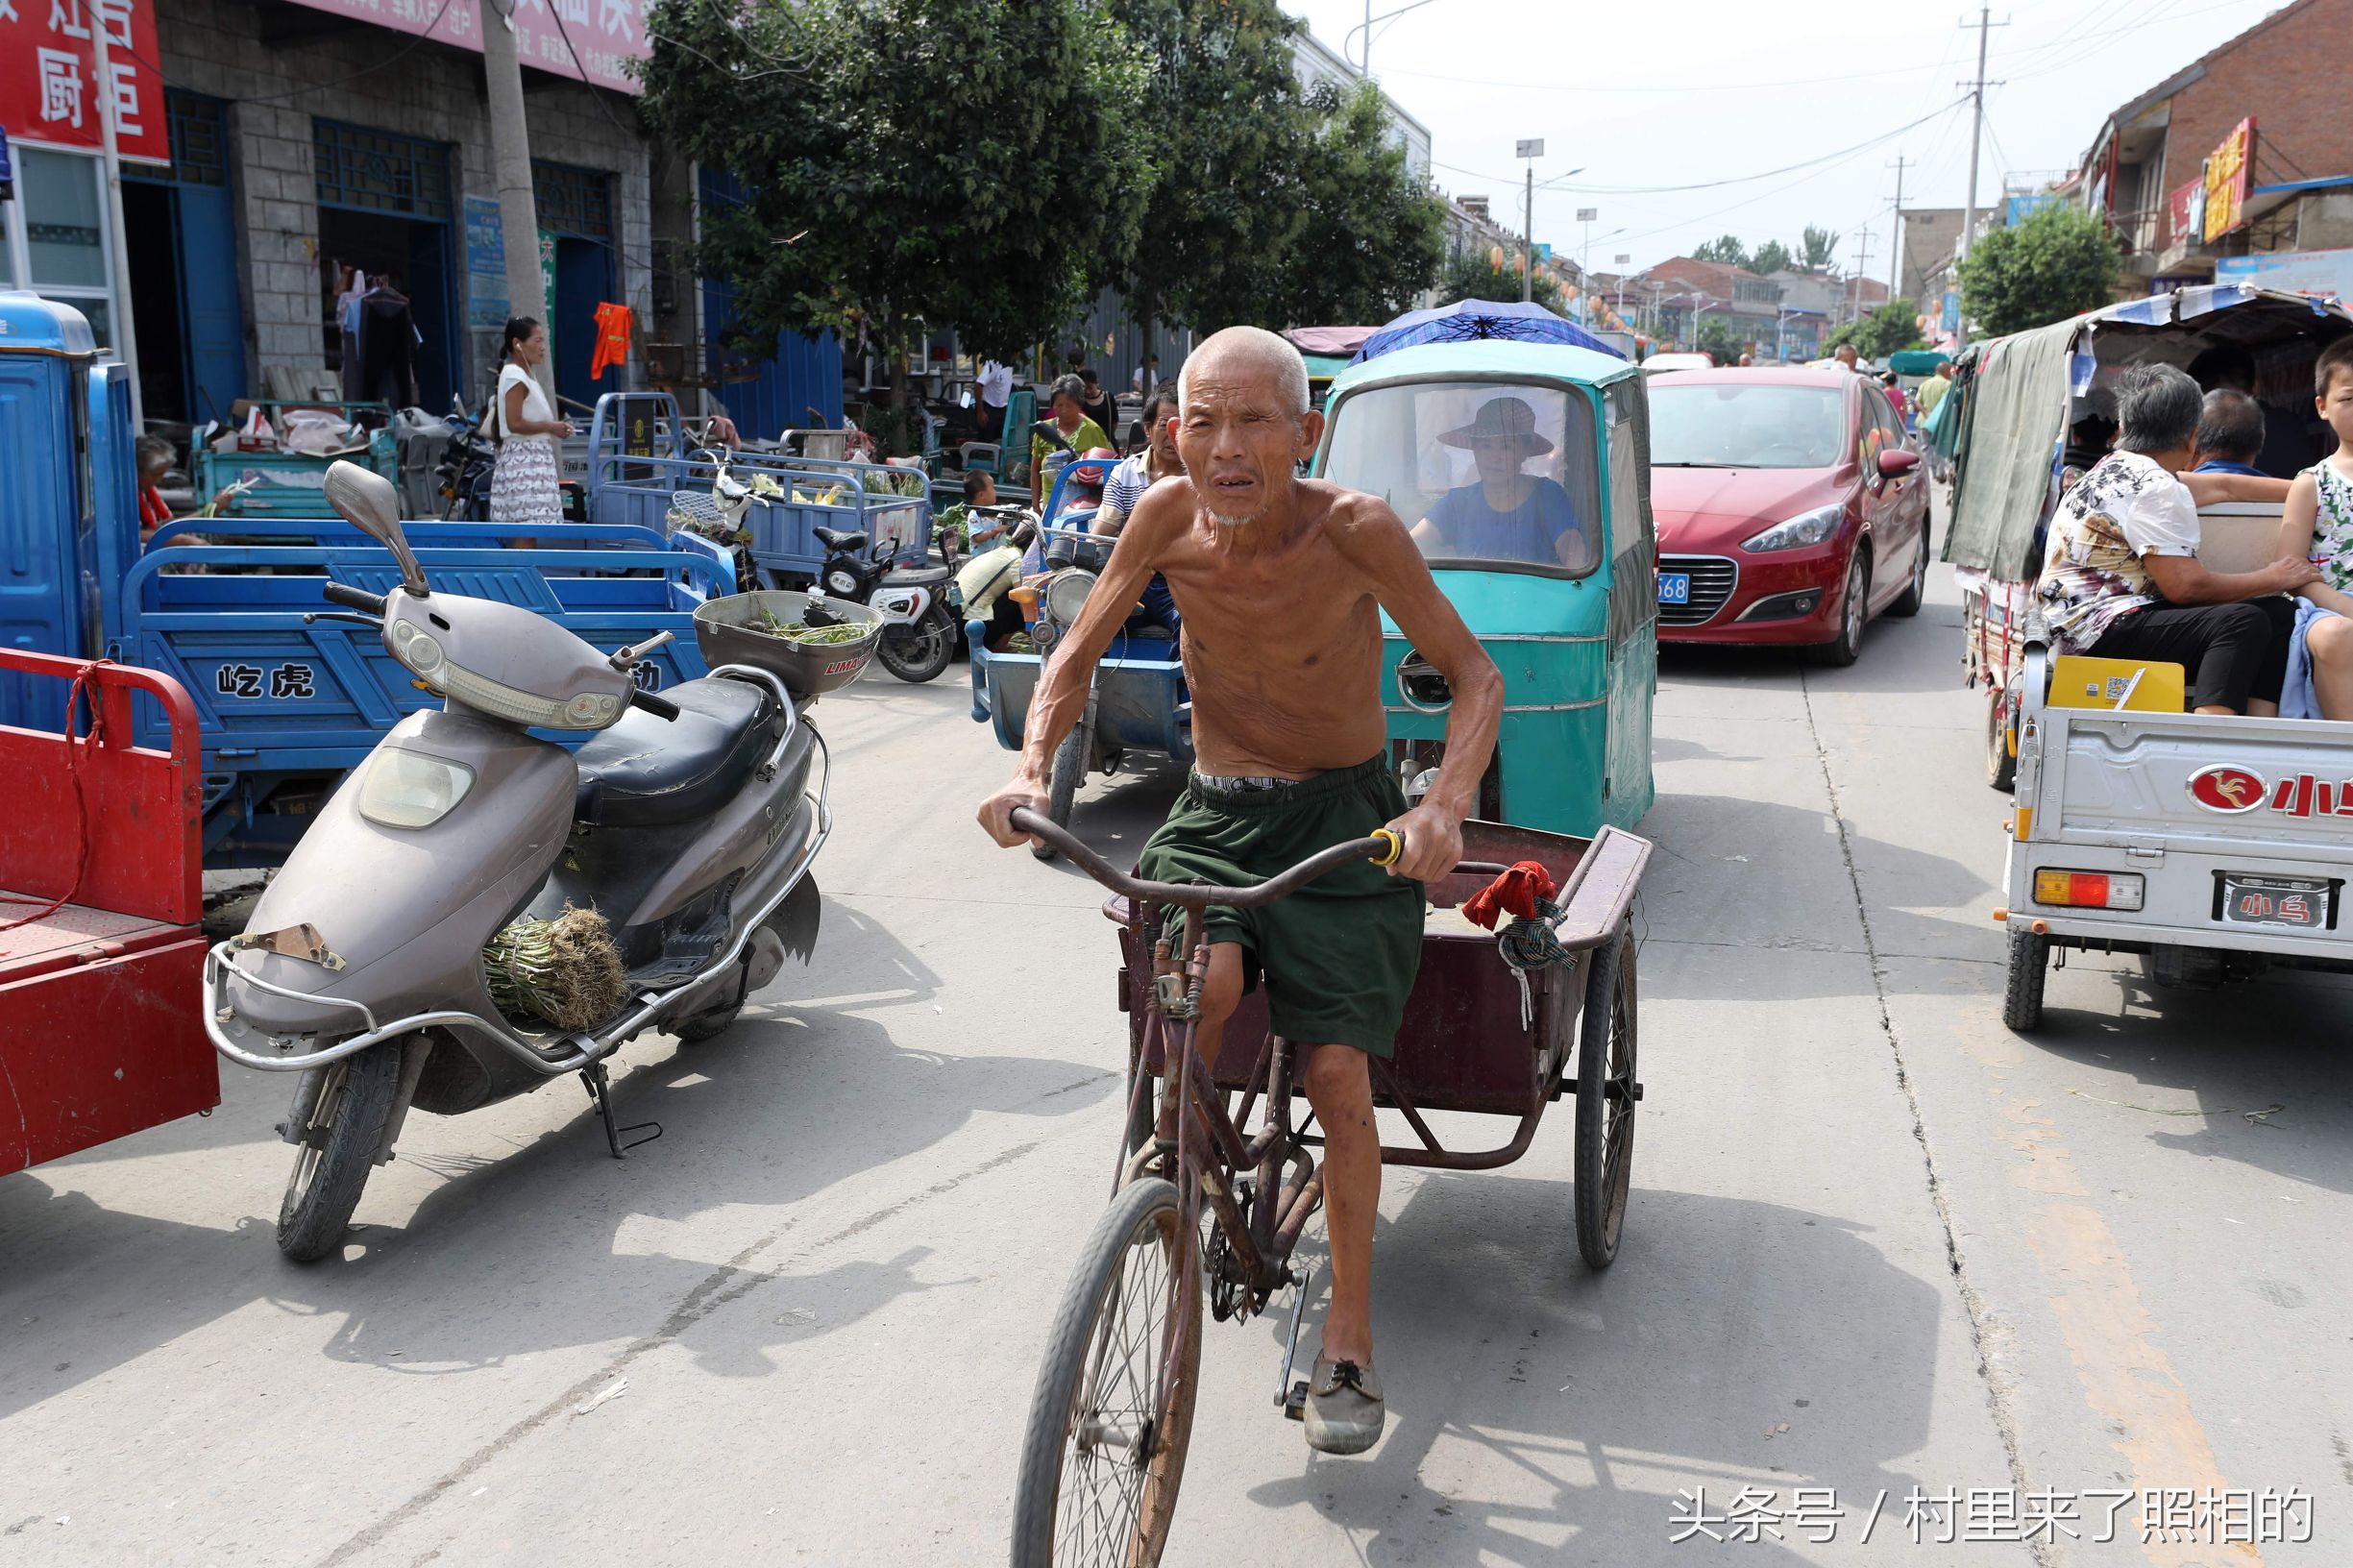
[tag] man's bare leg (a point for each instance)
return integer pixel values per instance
(1339, 1086)
(1221, 991)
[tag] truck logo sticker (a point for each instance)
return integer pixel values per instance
(2225, 788)
(292, 680)
(298, 683)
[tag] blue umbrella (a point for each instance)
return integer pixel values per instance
(1465, 320)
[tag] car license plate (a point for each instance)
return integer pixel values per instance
(1675, 587)
(2275, 901)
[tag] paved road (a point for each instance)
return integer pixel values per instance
(1877, 1242)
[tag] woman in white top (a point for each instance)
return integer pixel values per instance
(524, 484)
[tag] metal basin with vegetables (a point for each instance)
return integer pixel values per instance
(771, 630)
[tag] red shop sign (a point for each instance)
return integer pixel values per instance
(49, 88)
(589, 40)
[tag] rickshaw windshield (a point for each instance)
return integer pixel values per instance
(1746, 424)
(1482, 472)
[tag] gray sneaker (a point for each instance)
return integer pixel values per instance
(1344, 1408)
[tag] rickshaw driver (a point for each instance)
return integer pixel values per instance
(1507, 514)
(1282, 582)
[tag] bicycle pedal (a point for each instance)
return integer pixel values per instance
(1295, 1403)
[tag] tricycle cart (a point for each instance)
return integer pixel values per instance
(1568, 614)
(1138, 701)
(99, 895)
(287, 484)
(1111, 1421)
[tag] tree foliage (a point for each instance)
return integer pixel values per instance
(1770, 257)
(1726, 250)
(951, 159)
(1892, 327)
(1373, 233)
(1818, 249)
(1472, 277)
(2059, 261)
(1718, 336)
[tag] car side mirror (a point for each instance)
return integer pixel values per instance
(367, 501)
(1897, 461)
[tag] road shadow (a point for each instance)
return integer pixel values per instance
(792, 1101)
(1708, 1355)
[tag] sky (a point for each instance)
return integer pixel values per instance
(1712, 94)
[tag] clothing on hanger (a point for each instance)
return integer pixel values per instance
(613, 324)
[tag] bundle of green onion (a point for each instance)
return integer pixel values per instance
(847, 631)
(567, 970)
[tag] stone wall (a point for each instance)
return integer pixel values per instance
(369, 76)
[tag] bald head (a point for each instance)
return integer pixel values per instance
(1248, 355)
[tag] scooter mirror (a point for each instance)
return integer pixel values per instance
(368, 502)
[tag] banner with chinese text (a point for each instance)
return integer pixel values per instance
(589, 40)
(49, 88)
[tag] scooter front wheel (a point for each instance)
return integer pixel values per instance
(919, 653)
(336, 1148)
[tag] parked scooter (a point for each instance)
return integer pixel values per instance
(919, 635)
(462, 476)
(688, 830)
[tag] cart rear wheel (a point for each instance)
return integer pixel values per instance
(2000, 754)
(339, 1139)
(1606, 1089)
(1069, 767)
(2022, 998)
(1101, 1457)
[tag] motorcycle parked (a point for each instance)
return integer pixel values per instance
(919, 632)
(462, 476)
(687, 828)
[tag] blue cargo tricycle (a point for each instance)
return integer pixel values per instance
(1138, 701)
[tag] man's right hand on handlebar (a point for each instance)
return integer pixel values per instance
(996, 812)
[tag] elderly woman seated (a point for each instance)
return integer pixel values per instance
(1509, 514)
(2121, 578)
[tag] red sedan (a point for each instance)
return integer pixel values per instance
(1790, 510)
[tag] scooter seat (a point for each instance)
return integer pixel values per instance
(840, 539)
(652, 772)
(916, 577)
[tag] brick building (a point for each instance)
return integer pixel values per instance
(2285, 74)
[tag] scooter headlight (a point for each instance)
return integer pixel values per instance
(411, 788)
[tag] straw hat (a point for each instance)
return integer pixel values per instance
(1502, 419)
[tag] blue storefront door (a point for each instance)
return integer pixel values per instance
(209, 317)
(583, 280)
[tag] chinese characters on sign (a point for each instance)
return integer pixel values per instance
(590, 41)
(2161, 1516)
(2228, 170)
(49, 88)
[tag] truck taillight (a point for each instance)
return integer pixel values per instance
(2086, 890)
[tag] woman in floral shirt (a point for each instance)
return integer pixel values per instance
(2121, 579)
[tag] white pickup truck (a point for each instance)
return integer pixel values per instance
(2214, 847)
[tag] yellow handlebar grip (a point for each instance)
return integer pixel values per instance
(1397, 846)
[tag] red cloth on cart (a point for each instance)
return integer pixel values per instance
(612, 339)
(1516, 892)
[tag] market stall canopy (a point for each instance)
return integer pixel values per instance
(1330, 342)
(1917, 362)
(1468, 320)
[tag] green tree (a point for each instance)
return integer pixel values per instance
(1770, 257)
(1892, 327)
(1374, 233)
(1719, 337)
(2060, 261)
(1725, 249)
(984, 182)
(1234, 140)
(1472, 277)
(1816, 249)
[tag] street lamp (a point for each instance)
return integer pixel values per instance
(1531, 151)
(1365, 26)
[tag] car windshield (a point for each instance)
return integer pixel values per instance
(1484, 473)
(1745, 425)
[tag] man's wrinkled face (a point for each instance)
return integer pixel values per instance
(1238, 439)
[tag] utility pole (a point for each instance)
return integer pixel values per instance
(1976, 135)
(510, 148)
(1862, 260)
(1531, 151)
(1894, 231)
(121, 327)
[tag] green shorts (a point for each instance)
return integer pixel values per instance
(1339, 955)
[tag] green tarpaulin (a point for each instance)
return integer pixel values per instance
(2015, 413)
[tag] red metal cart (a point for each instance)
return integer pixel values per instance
(100, 889)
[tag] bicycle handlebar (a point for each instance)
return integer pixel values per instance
(1382, 847)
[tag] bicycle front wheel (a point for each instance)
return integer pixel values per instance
(1103, 1454)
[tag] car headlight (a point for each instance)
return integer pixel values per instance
(411, 788)
(1806, 529)
(1066, 595)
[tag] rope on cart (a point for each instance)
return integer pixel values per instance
(1529, 941)
(82, 817)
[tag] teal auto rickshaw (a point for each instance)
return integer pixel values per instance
(1522, 469)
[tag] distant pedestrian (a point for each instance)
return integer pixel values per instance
(1146, 376)
(524, 481)
(991, 389)
(1747, 360)
(1096, 405)
(1932, 391)
(1846, 356)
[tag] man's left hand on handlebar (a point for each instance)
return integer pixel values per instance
(1433, 843)
(996, 812)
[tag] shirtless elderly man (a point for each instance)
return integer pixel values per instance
(1281, 583)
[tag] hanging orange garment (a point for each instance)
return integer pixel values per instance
(612, 339)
